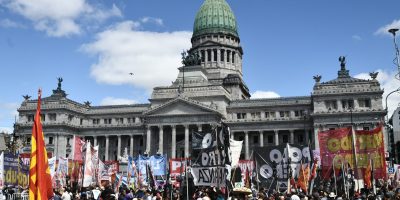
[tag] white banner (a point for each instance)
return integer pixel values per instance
(209, 176)
(236, 149)
(52, 166)
(1, 170)
(62, 171)
(88, 172)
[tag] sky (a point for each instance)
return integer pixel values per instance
(94, 45)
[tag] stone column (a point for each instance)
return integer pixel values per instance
(186, 141)
(94, 140)
(107, 144)
(276, 137)
(173, 148)
(291, 136)
(233, 135)
(131, 146)
(161, 140)
(261, 138)
(119, 147)
(246, 145)
(199, 127)
(148, 140)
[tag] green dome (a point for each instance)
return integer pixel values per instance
(215, 16)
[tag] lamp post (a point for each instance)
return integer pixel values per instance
(388, 127)
(396, 60)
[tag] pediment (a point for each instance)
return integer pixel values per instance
(181, 106)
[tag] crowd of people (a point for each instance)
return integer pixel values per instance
(325, 190)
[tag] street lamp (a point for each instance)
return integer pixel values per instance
(396, 60)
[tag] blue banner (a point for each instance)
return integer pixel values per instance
(158, 165)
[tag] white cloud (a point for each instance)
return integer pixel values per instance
(7, 23)
(59, 18)
(8, 112)
(153, 57)
(116, 101)
(356, 37)
(6, 130)
(157, 21)
(264, 94)
(384, 29)
(389, 83)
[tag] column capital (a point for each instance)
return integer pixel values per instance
(119, 136)
(291, 130)
(276, 130)
(160, 126)
(107, 136)
(185, 125)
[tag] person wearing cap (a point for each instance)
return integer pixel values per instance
(65, 194)
(331, 196)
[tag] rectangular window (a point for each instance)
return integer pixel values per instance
(203, 56)
(267, 115)
(68, 139)
(228, 56)
(331, 105)
(215, 55)
(222, 55)
(255, 139)
(42, 117)
(300, 139)
(53, 117)
(256, 115)
(281, 114)
(81, 121)
(285, 139)
(28, 140)
(241, 115)
(270, 139)
(366, 128)
(96, 121)
(70, 117)
(120, 120)
(299, 113)
(50, 140)
(31, 118)
(233, 57)
(364, 103)
(209, 55)
(348, 104)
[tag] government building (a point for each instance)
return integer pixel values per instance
(208, 89)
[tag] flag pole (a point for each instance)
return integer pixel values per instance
(334, 174)
(373, 177)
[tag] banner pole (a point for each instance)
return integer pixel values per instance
(334, 174)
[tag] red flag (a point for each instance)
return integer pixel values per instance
(368, 175)
(304, 173)
(39, 173)
(78, 147)
(247, 179)
(314, 169)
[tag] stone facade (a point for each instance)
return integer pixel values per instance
(202, 96)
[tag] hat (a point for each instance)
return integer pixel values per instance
(295, 197)
(332, 194)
